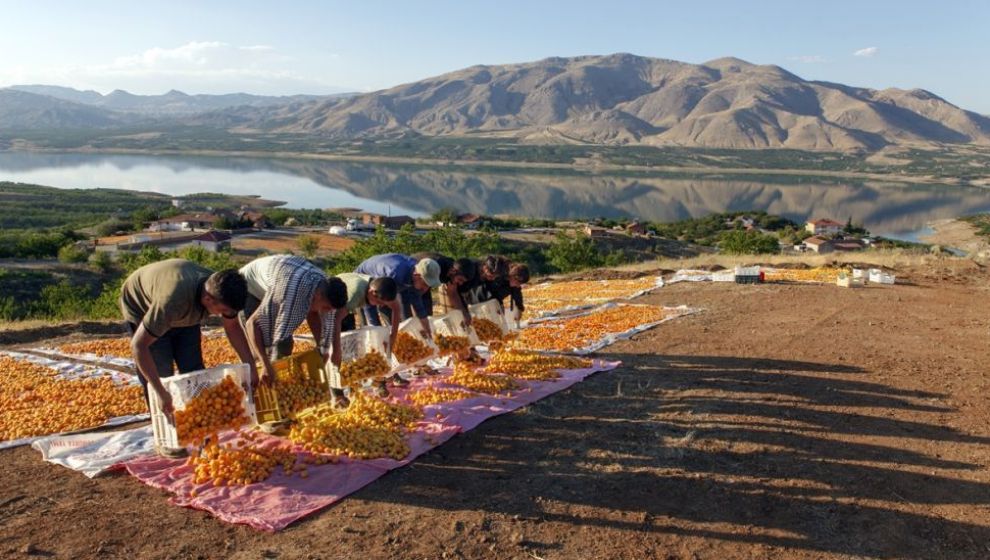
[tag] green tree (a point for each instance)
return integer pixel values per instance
(568, 254)
(101, 261)
(72, 254)
(748, 243)
(445, 216)
(308, 245)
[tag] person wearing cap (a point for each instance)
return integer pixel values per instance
(413, 278)
(453, 274)
(284, 291)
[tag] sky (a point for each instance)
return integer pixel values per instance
(319, 47)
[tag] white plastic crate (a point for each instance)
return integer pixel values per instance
(185, 387)
(878, 276)
(452, 324)
(846, 281)
(414, 327)
(357, 343)
(493, 311)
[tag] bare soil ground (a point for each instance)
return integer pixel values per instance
(786, 421)
(280, 241)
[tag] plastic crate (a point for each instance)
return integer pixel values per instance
(878, 276)
(413, 327)
(307, 365)
(357, 343)
(453, 324)
(185, 387)
(493, 311)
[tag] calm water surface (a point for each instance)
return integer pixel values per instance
(890, 209)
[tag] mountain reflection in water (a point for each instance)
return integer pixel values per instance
(892, 209)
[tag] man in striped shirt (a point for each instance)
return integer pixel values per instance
(285, 290)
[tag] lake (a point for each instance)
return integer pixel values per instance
(890, 209)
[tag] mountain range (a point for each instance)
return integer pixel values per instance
(618, 99)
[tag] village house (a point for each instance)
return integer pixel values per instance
(390, 222)
(636, 228)
(257, 219)
(470, 221)
(823, 227)
(184, 222)
(848, 245)
(819, 244)
(212, 241)
(595, 231)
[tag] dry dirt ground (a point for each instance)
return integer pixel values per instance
(786, 421)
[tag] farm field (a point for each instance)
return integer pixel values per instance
(783, 421)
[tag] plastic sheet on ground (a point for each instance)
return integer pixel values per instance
(96, 453)
(688, 275)
(56, 354)
(669, 314)
(279, 501)
(546, 300)
(70, 371)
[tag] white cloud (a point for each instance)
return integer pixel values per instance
(867, 52)
(195, 67)
(808, 59)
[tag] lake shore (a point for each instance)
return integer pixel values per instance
(584, 168)
(959, 235)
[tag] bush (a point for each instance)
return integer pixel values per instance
(748, 243)
(567, 254)
(34, 245)
(72, 254)
(308, 245)
(101, 261)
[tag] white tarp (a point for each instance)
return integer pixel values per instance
(96, 453)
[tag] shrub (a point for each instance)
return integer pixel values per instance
(748, 243)
(568, 254)
(72, 254)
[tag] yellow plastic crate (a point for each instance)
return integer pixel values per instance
(305, 374)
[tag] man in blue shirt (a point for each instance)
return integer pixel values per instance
(413, 278)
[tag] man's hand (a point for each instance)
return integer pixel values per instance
(267, 377)
(167, 407)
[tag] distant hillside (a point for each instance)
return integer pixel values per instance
(23, 110)
(172, 103)
(627, 99)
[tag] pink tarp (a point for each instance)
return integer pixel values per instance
(277, 502)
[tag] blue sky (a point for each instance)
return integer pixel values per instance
(321, 47)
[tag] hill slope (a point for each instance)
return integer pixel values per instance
(627, 99)
(173, 103)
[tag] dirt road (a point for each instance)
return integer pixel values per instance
(795, 421)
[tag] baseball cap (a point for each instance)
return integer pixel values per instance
(429, 269)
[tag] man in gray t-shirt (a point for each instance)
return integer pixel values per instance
(165, 303)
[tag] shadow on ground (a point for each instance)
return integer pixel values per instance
(781, 453)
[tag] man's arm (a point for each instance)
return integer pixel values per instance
(315, 323)
(419, 309)
(141, 349)
(453, 295)
(257, 345)
(338, 324)
(395, 307)
(237, 338)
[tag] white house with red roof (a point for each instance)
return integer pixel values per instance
(824, 227)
